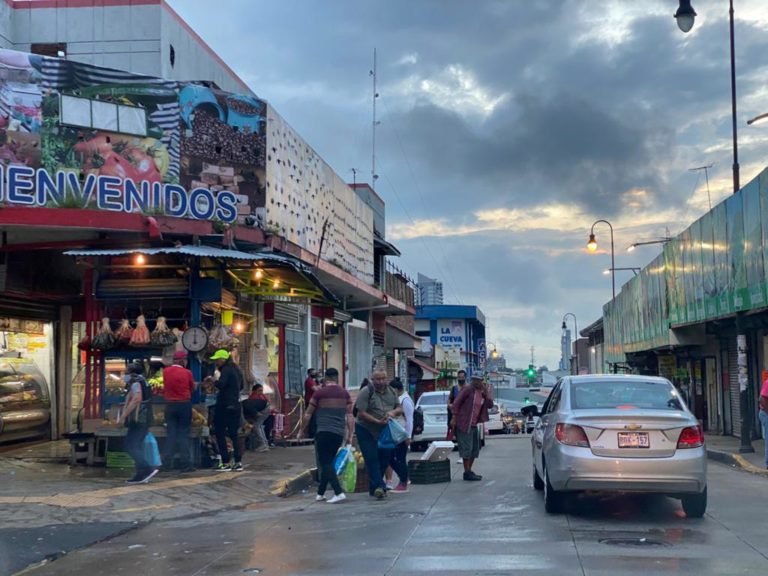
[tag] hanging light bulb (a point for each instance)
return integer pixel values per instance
(276, 284)
(239, 327)
(258, 274)
(140, 260)
(293, 292)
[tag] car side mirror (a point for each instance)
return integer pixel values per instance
(530, 410)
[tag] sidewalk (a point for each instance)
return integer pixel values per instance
(40, 489)
(726, 449)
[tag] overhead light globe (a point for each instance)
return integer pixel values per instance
(592, 244)
(685, 16)
(631, 248)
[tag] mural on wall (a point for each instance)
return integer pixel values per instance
(21, 114)
(223, 143)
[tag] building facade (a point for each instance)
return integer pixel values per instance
(429, 291)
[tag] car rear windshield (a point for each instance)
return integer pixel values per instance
(433, 400)
(623, 395)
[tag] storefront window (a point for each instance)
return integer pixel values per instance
(296, 354)
(272, 337)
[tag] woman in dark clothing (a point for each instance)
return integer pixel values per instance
(137, 416)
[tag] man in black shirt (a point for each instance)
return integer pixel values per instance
(226, 419)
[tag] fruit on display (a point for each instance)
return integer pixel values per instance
(198, 418)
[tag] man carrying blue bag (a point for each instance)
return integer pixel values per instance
(376, 405)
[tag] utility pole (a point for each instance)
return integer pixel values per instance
(706, 175)
(375, 123)
(533, 361)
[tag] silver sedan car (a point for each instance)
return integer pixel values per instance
(613, 432)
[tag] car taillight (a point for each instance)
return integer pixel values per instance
(691, 437)
(571, 435)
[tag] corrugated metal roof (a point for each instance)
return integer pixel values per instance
(198, 251)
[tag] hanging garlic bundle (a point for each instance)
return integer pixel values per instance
(162, 335)
(141, 335)
(124, 333)
(104, 339)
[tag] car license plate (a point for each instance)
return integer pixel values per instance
(634, 440)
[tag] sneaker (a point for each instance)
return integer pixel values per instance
(135, 480)
(238, 467)
(460, 461)
(223, 468)
(400, 488)
(472, 477)
(379, 493)
(151, 474)
(320, 498)
(337, 498)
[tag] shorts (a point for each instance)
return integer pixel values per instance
(469, 443)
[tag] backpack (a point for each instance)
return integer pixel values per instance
(418, 421)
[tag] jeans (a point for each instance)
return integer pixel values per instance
(764, 421)
(269, 428)
(258, 431)
(178, 421)
(134, 445)
(376, 460)
(399, 462)
(227, 423)
(327, 444)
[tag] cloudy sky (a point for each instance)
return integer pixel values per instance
(509, 126)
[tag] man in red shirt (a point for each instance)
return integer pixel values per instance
(470, 410)
(310, 386)
(763, 414)
(178, 385)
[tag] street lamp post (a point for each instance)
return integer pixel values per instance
(634, 245)
(634, 270)
(685, 16)
(592, 247)
(576, 335)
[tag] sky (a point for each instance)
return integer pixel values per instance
(507, 127)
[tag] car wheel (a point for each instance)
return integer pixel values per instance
(538, 483)
(553, 501)
(695, 505)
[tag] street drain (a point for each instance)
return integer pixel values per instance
(635, 542)
(407, 515)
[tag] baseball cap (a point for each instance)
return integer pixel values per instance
(220, 355)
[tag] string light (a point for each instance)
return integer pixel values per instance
(258, 274)
(238, 327)
(276, 284)
(139, 260)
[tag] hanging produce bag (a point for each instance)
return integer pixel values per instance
(124, 333)
(151, 451)
(104, 339)
(141, 335)
(162, 335)
(344, 454)
(221, 337)
(397, 432)
(348, 476)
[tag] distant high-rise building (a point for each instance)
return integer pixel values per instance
(429, 292)
(565, 350)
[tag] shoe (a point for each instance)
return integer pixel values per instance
(400, 488)
(263, 449)
(460, 461)
(320, 498)
(380, 493)
(238, 467)
(337, 498)
(151, 474)
(135, 480)
(472, 477)
(223, 468)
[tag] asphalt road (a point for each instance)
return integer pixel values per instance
(497, 526)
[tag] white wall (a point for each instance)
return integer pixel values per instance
(123, 37)
(193, 60)
(6, 26)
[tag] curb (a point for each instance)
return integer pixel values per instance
(289, 486)
(736, 460)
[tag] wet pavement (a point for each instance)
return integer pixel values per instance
(497, 526)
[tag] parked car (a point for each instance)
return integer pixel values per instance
(434, 405)
(621, 433)
(495, 421)
(25, 406)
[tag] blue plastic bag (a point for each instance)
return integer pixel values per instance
(342, 456)
(397, 431)
(386, 442)
(151, 451)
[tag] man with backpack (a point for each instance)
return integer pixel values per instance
(137, 417)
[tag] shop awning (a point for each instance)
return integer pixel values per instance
(268, 275)
(424, 366)
(386, 248)
(398, 339)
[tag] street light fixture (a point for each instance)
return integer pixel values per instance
(576, 335)
(607, 271)
(686, 11)
(758, 120)
(592, 247)
(685, 16)
(664, 240)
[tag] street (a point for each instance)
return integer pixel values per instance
(497, 526)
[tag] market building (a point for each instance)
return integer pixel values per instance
(698, 314)
(129, 198)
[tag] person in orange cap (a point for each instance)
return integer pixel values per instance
(178, 387)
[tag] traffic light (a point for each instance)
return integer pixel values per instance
(531, 372)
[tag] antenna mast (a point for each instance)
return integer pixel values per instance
(533, 362)
(706, 175)
(375, 123)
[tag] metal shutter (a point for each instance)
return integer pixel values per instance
(733, 378)
(360, 355)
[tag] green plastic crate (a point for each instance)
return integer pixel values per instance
(121, 460)
(426, 472)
